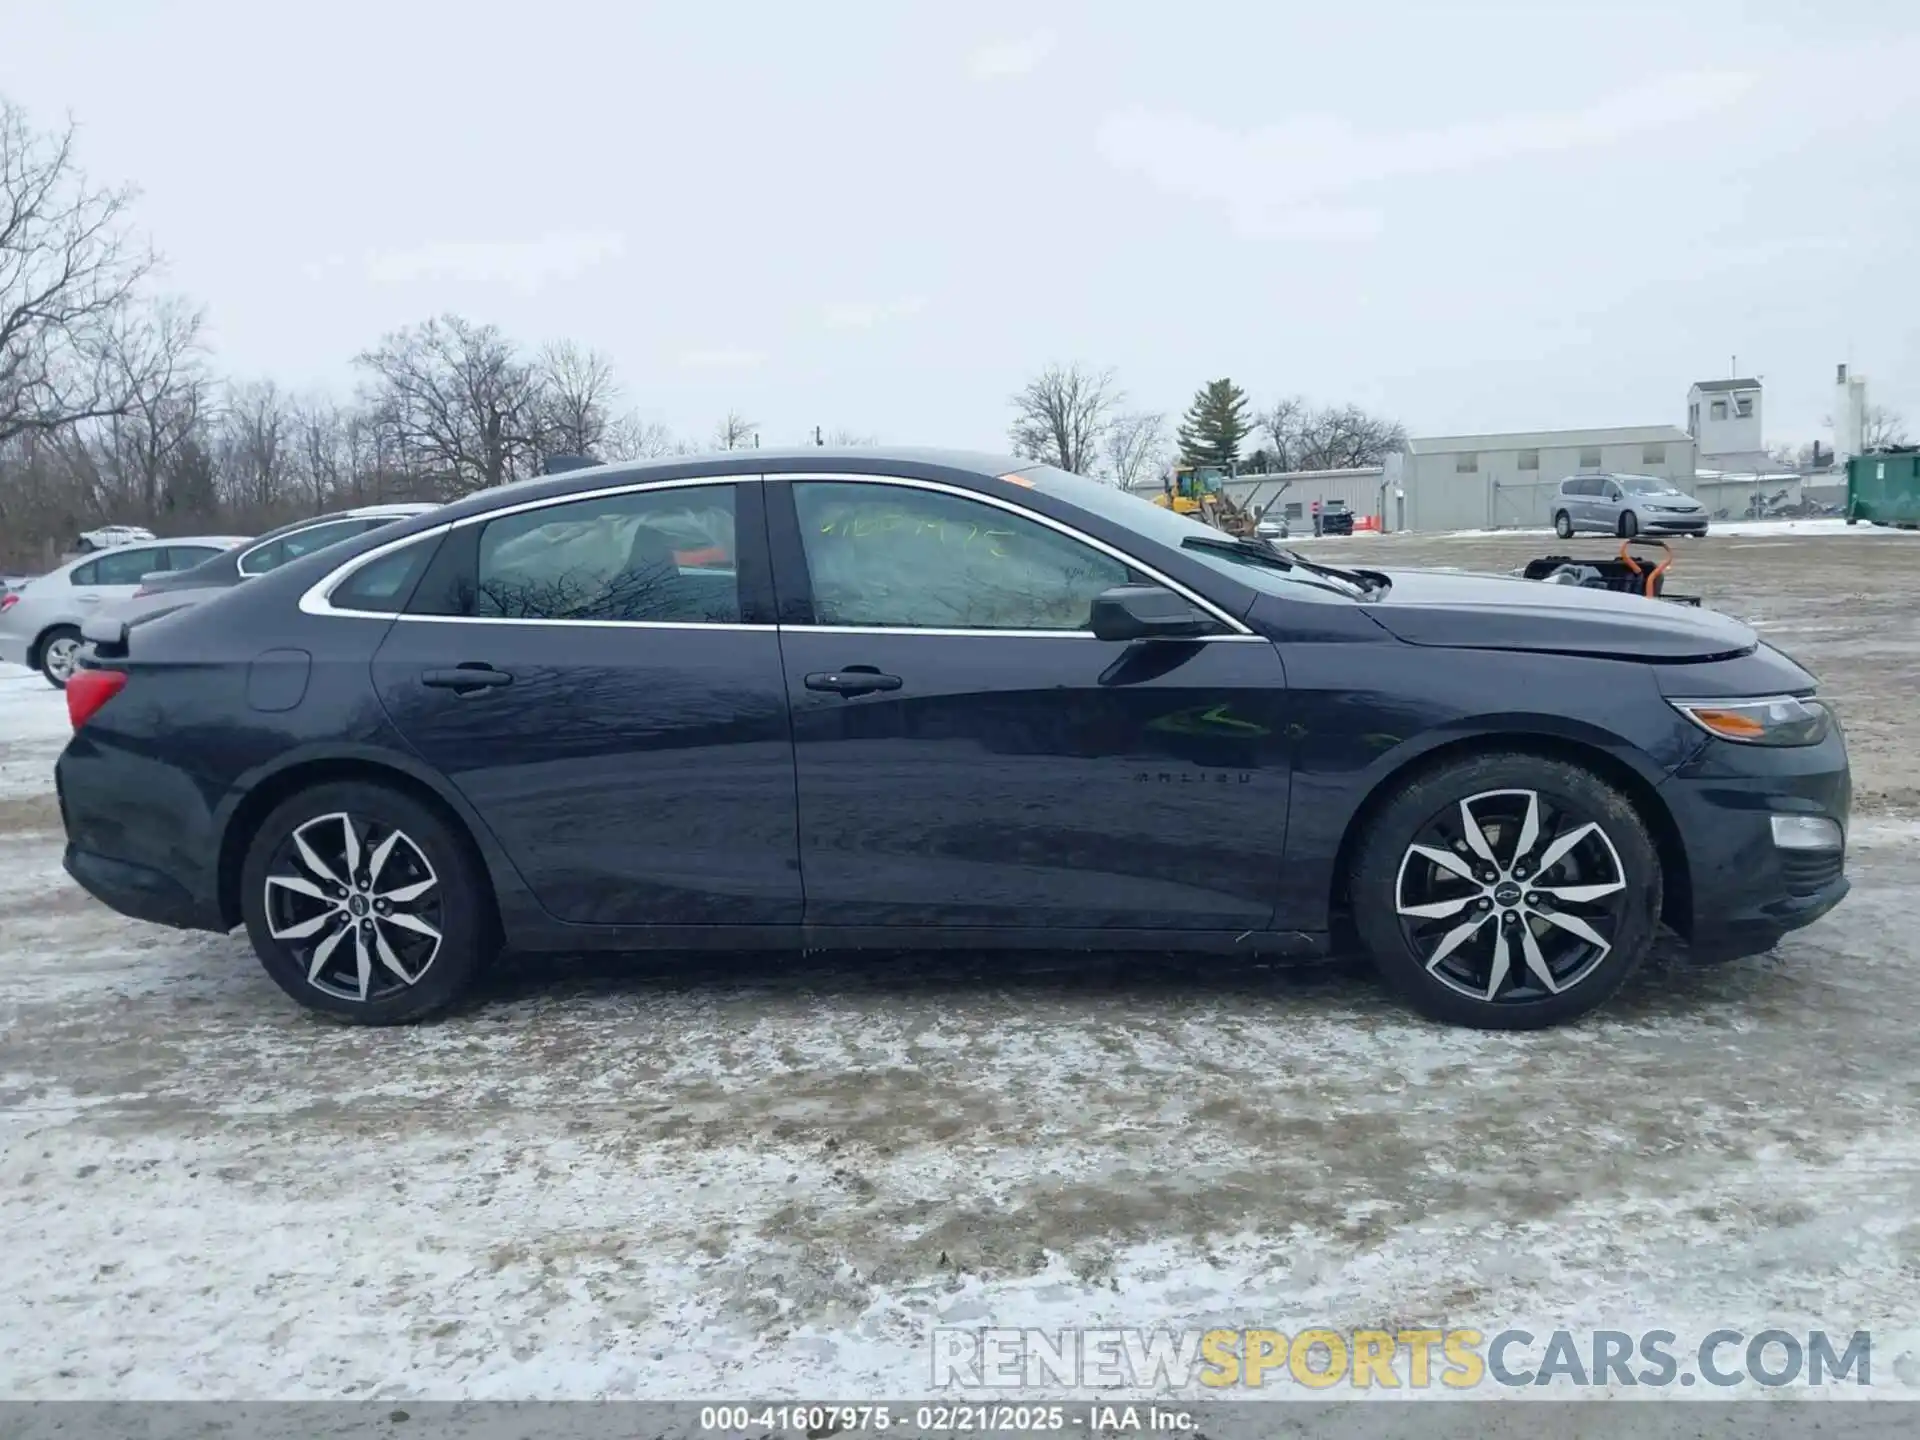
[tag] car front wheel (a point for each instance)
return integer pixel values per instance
(1507, 891)
(364, 904)
(1629, 524)
(59, 654)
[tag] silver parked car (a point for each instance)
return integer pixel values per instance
(1626, 505)
(164, 594)
(40, 622)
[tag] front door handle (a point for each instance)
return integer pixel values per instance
(854, 680)
(466, 678)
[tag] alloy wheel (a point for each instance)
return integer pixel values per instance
(59, 657)
(357, 903)
(1511, 896)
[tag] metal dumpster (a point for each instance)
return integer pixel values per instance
(1883, 487)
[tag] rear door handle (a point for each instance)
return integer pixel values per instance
(854, 680)
(466, 678)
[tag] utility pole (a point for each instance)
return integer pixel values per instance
(818, 440)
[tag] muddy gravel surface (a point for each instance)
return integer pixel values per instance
(625, 1178)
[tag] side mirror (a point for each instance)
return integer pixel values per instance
(1146, 612)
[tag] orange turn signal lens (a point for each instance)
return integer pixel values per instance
(1770, 720)
(1730, 723)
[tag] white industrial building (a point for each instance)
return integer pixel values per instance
(1479, 482)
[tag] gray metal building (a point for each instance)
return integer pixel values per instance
(1490, 482)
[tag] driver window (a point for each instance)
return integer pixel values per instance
(903, 558)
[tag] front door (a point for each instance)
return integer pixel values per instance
(968, 754)
(601, 679)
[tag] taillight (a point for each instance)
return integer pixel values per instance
(9, 600)
(88, 690)
(144, 591)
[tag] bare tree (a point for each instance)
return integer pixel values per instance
(457, 402)
(69, 272)
(1882, 428)
(153, 362)
(257, 450)
(1061, 414)
(1281, 422)
(577, 394)
(631, 438)
(735, 431)
(1136, 448)
(1328, 437)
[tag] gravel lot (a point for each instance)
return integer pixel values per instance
(630, 1181)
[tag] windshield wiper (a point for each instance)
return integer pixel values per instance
(1269, 556)
(1367, 580)
(1257, 552)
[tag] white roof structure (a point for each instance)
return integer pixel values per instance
(1549, 439)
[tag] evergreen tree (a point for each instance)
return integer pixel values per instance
(1215, 424)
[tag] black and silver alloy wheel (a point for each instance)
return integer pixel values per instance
(1506, 890)
(358, 903)
(367, 903)
(1508, 897)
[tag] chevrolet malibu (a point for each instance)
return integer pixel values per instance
(916, 699)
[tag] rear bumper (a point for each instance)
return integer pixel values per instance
(140, 837)
(1745, 890)
(138, 892)
(13, 649)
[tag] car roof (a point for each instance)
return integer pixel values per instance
(398, 510)
(905, 460)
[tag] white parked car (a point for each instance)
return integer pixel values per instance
(40, 622)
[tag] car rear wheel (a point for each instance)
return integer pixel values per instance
(364, 904)
(1507, 891)
(1563, 525)
(59, 654)
(1629, 524)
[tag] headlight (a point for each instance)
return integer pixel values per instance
(1771, 720)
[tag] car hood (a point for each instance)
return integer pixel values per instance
(1497, 612)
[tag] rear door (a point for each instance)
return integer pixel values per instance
(967, 753)
(600, 676)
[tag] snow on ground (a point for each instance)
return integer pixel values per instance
(1805, 528)
(635, 1179)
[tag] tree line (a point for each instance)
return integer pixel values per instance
(1079, 419)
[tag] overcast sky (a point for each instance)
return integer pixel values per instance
(884, 216)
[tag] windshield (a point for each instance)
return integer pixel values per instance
(1646, 485)
(1142, 516)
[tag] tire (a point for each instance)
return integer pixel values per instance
(439, 888)
(1629, 524)
(1563, 525)
(58, 648)
(1609, 876)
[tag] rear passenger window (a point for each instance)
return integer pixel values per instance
(301, 542)
(649, 556)
(185, 557)
(121, 567)
(383, 586)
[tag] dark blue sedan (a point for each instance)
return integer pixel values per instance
(909, 699)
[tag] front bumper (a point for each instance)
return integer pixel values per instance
(1744, 891)
(1673, 524)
